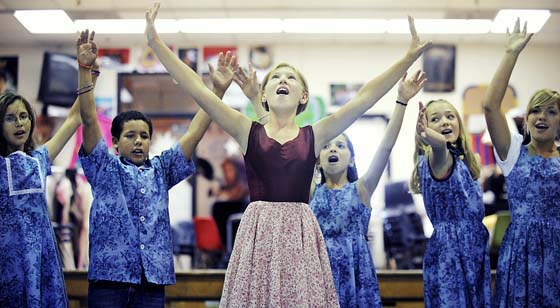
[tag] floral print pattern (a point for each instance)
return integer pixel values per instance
(279, 260)
(529, 263)
(129, 219)
(344, 221)
(30, 268)
(456, 261)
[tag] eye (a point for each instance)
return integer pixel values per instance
(145, 136)
(292, 77)
(24, 116)
(341, 146)
(451, 116)
(326, 146)
(534, 110)
(10, 118)
(434, 119)
(274, 76)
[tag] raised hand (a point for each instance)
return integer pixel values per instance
(151, 14)
(222, 76)
(517, 40)
(410, 87)
(247, 82)
(86, 48)
(417, 47)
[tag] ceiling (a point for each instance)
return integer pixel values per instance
(12, 33)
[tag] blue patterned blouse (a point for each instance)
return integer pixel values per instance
(30, 269)
(456, 261)
(129, 219)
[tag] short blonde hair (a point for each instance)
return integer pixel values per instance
(543, 97)
(301, 107)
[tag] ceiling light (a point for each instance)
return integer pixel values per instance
(441, 26)
(506, 19)
(230, 25)
(334, 25)
(45, 21)
(125, 26)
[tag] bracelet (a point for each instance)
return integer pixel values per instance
(89, 67)
(401, 103)
(84, 89)
(95, 73)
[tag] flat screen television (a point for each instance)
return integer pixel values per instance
(59, 79)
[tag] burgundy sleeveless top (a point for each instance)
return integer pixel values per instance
(280, 172)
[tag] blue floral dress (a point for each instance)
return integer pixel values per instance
(529, 263)
(344, 220)
(456, 261)
(30, 269)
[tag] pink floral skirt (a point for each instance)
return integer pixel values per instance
(279, 260)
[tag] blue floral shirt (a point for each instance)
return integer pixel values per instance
(30, 269)
(129, 218)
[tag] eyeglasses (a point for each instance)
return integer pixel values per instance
(23, 118)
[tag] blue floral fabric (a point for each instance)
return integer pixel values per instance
(529, 263)
(456, 261)
(30, 268)
(129, 219)
(344, 220)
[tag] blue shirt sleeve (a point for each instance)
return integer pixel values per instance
(96, 162)
(176, 166)
(42, 154)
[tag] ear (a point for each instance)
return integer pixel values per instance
(115, 143)
(304, 99)
(263, 98)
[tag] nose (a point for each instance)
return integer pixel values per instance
(138, 140)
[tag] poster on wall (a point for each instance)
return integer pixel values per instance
(439, 66)
(114, 57)
(260, 57)
(9, 73)
(189, 57)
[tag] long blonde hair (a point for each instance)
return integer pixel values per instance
(543, 97)
(421, 148)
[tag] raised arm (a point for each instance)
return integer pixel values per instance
(407, 89)
(221, 78)
(250, 86)
(73, 121)
(495, 117)
(369, 94)
(87, 54)
(440, 160)
(232, 121)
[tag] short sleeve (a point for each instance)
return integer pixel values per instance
(42, 154)
(177, 167)
(512, 156)
(96, 161)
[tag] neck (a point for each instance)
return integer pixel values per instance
(336, 181)
(278, 121)
(11, 149)
(544, 149)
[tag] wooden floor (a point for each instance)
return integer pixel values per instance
(202, 288)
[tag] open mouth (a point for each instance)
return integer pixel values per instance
(20, 133)
(541, 126)
(333, 159)
(282, 91)
(446, 131)
(138, 152)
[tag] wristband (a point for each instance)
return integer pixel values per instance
(401, 103)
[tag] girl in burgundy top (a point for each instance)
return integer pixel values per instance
(279, 258)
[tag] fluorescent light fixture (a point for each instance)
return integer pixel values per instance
(45, 21)
(441, 26)
(506, 19)
(334, 25)
(230, 25)
(125, 26)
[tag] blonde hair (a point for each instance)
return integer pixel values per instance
(543, 97)
(301, 107)
(421, 148)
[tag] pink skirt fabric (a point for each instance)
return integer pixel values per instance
(279, 260)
